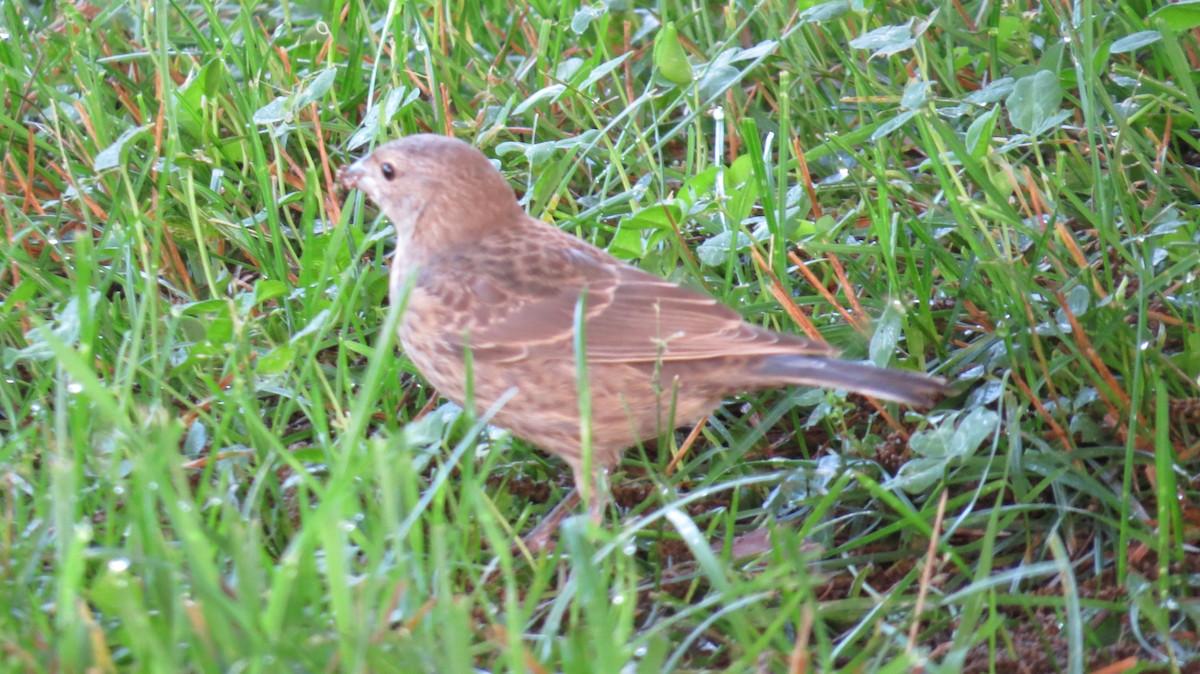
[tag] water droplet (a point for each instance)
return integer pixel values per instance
(119, 565)
(74, 387)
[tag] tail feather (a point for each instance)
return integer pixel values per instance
(905, 386)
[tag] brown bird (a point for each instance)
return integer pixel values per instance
(491, 281)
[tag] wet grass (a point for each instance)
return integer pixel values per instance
(215, 458)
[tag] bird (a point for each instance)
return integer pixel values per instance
(492, 301)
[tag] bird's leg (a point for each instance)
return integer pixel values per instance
(597, 490)
(539, 539)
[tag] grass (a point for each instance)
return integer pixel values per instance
(215, 458)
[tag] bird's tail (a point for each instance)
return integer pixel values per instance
(904, 386)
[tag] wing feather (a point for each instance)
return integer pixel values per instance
(633, 317)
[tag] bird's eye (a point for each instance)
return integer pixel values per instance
(388, 171)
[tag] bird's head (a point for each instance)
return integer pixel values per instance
(437, 191)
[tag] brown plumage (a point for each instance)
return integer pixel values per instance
(488, 277)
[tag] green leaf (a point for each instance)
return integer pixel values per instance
(887, 335)
(627, 243)
(110, 157)
(1034, 102)
(272, 113)
(826, 11)
(916, 94)
(715, 251)
(220, 330)
(66, 328)
(378, 116)
(266, 289)
(943, 447)
(670, 60)
(314, 325)
(658, 216)
(1136, 41)
(316, 89)
(276, 360)
(883, 130)
(741, 170)
(1180, 16)
(603, 69)
(887, 40)
(980, 132)
(584, 17)
(203, 307)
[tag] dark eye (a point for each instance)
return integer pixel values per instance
(388, 171)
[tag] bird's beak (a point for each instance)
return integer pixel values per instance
(350, 175)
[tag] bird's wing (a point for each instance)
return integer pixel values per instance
(648, 318)
(632, 316)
